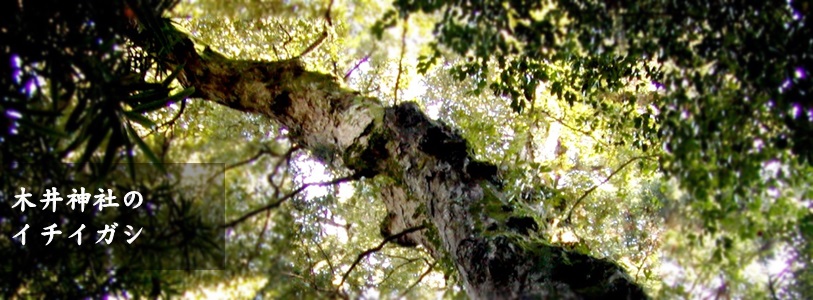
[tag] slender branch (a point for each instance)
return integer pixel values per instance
(171, 122)
(400, 61)
(327, 13)
(772, 288)
(276, 52)
(700, 277)
(355, 67)
(394, 269)
(297, 276)
(333, 223)
(324, 34)
(285, 198)
(313, 279)
(278, 164)
(590, 190)
(641, 265)
(252, 159)
(248, 161)
(175, 118)
(327, 258)
(562, 122)
(529, 145)
(315, 44)
(260, 239)
(287, 34)
(335, 67)
(166, 142)
(774, 280)
(378, 248)
(314, 286)
(426, 273)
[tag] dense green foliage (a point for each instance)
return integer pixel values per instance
(723, 69)
(654, 133)
(730, 105)
(73, 92)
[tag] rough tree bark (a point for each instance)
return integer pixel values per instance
(435, 181)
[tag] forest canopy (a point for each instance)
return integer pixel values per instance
(670, 141)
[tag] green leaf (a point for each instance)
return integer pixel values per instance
(167, 81)
(150, 106)
(145, 149)
(74, 119)
(138, 118)
(96, 139)
(161, 103)
(42, 129)
(148, 96)
(182, 95)
(113, 143)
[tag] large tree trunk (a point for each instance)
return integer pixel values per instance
(435, 181)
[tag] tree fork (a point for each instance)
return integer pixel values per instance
(436, 181)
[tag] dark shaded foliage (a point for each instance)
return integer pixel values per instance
(74, 89)
(726, 68)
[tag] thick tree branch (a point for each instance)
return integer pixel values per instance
(435, 179)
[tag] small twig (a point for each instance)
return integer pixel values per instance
(324, 34)
(394, 269)
(772, 288)
(350, 72)
(590, 190)
(287, 160)
(327, 13)
(276, 52)
(315, 44)
(400, 61)
(426, 273)
(773, 281)
(314, 286)
(286, 197)
(176, 117)
(297, 276)
(166, 143)
(376, 249)
(260, 239)
(335, 67)
(562, 122)
(333, 223)
(327, 259)
(248, 161)
(290, 38)
(529, 145)
(641, 265)
(170, 122)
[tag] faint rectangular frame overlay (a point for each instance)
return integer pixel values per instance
(182, 217)
(190, 215)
